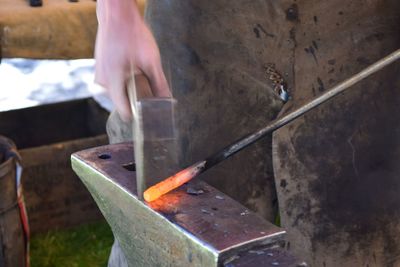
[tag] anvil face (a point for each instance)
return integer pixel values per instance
(195, 225)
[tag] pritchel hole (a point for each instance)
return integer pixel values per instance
(131, 166)
(214, 208)
(104, 156)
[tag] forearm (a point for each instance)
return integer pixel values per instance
(125, 12)
(125, 45)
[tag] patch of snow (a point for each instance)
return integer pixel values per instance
(28, 82)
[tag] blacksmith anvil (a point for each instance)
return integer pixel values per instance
(195, 225)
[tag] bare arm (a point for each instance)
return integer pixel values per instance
(123, 40)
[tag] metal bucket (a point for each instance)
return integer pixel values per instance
(13, 249)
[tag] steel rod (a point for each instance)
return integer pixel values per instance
(201, 166)
(278, 123)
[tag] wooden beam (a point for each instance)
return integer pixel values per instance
(59, 29)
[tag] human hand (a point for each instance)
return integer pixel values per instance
(125, 45)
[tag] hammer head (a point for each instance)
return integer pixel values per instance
(156, 152)
(157, 117)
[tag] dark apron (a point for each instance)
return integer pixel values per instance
(214, 54)
(335, 169)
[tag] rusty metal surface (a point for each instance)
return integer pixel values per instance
(180, 228)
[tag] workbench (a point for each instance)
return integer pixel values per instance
(58, 30)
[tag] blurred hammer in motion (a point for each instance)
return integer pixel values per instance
(154, 134)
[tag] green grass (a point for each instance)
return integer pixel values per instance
(83, 246)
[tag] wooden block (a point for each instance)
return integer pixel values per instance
(54, 195)
(58, 30)
(12, 243)
(46, 136)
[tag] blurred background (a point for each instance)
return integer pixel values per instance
(49, 108)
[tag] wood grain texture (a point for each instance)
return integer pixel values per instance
(59, 29)
(12, 242)
(46, 136)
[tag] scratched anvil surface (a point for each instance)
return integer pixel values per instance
(178, 229)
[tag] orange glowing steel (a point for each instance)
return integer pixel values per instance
(173, 182)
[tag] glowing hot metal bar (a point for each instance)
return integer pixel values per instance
(173, 182)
